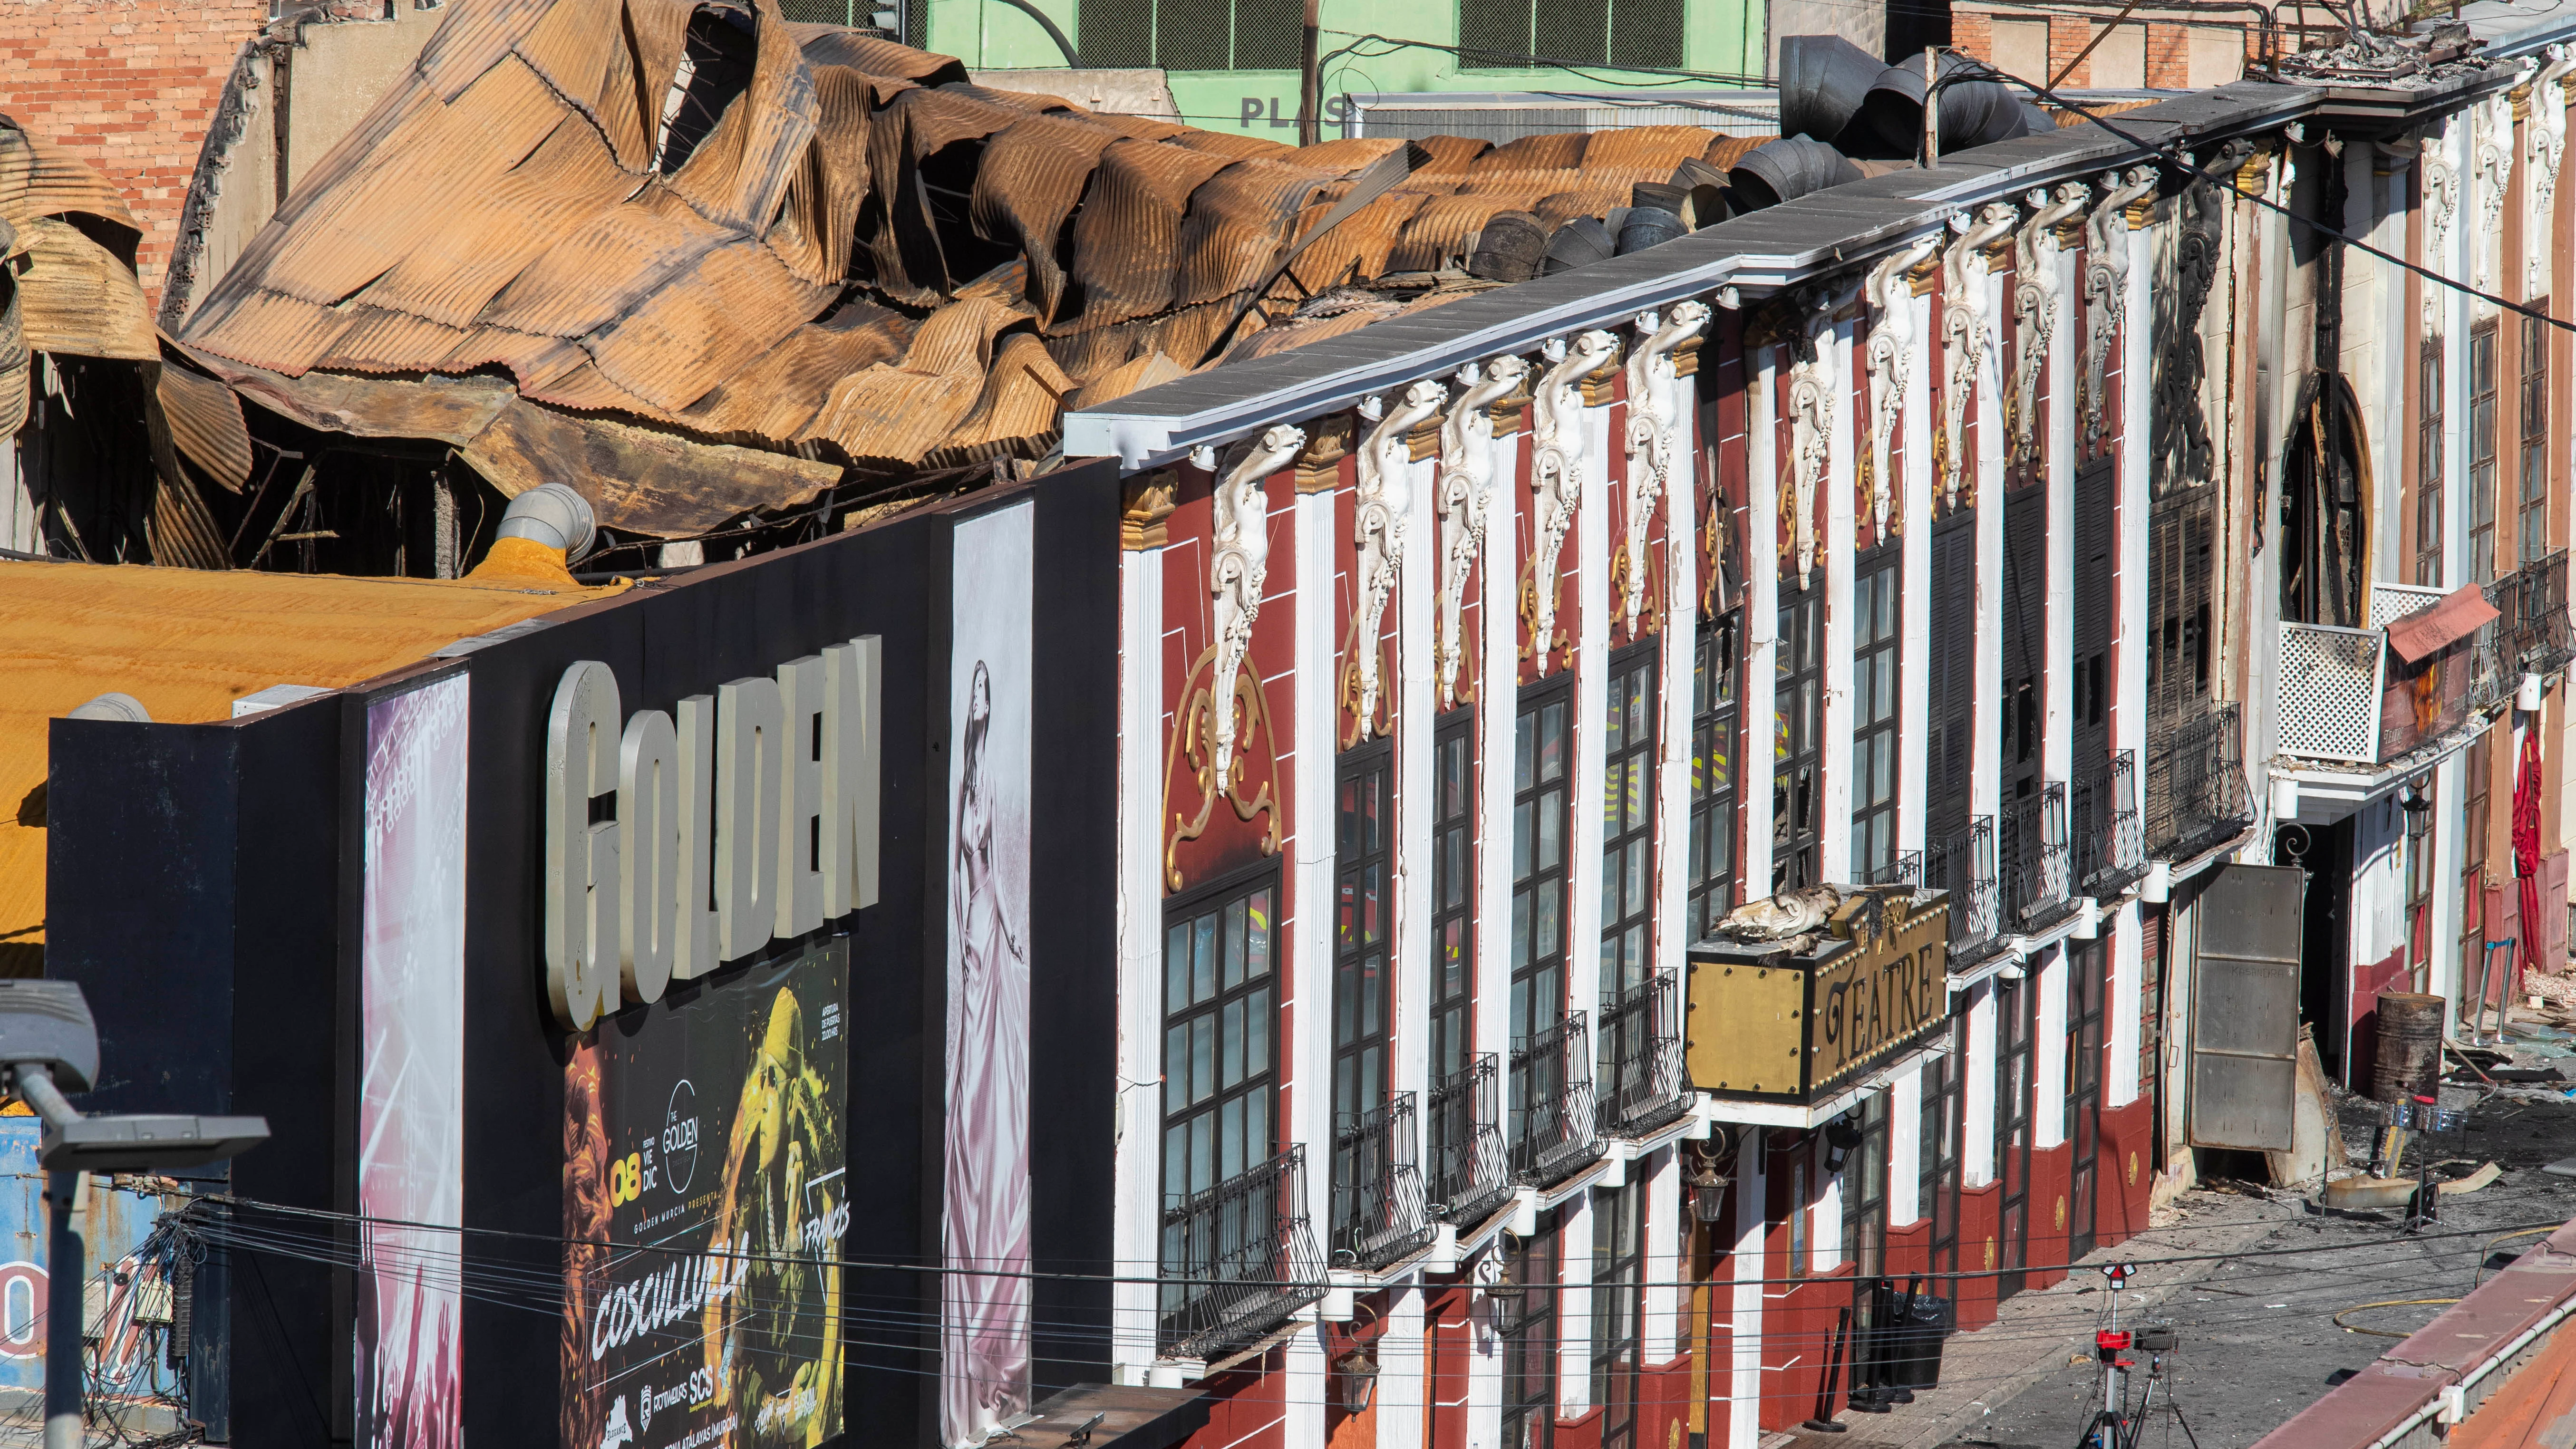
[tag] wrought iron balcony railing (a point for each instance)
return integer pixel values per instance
(1641, 1058)
(1554, 1128)
(1379, 1212)
(1238, 1260)
(1471, 1172)
(1963, 863)
(2038, 876)
(2538, 638)
(2110, 840)
(2196, 795)
(1905, 869)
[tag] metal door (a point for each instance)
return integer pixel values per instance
(2245, 1009)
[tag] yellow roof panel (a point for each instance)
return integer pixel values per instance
(187, 643)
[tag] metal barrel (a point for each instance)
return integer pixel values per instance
(2409, 1057)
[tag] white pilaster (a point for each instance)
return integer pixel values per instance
(1591, 698)
(1680, 643)
(1309, 1007)
(1497, 700)
(1833, 816)
(1415, 800)
(1905, 1144)
(2048, 1065)
(2123, 1014)
(1977, 1087)
(1137, 1157)
(2057, 737)
(1761, 616)
(1574, 1305)
(1667, 1235)
(1985, 775)
(1744, 1317)
(1404, 1371)
(1914, 649)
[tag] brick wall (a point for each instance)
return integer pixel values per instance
(2168, 56)
(130, 86)
(1972, 33)
(2067, 38)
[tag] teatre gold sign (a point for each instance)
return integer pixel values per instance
(1875, 999)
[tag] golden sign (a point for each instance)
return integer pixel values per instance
(1770, 1021)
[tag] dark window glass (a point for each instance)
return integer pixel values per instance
(2531, 540)
(1230, 35)
(1362, 848)
(1874, 690)
(1220, 1018)
(2428, 464)
(1714, 675)
(1628, 736)
(1453, 893)
(2482, 452)
(1542, 819)
(1530, 1339)
(1516, 34)
(1944, 1123)
(1797, 741)
(1618, 1301)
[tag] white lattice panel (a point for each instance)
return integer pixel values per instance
(2392, 602)
(2330, 689)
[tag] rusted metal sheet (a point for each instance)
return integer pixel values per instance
(636, 478)
(205, 423)
(76, 296)
(795, 275)
(38, 178)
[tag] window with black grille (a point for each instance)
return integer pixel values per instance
(1453, 893)
(1715, 672)
(1542, 764)
(1362, 848)
(1190, 34)
(2531, 538)
(1514, 34)
(2428, 464)
(1874, 688)
(1797, 728)
(1951, 751)
(1220, 1011)
(2482, 452)
(2181, 536)
(1628, 821)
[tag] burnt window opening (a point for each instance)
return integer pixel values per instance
(2482, 452)
(2531, 538)
(2324, 511)
(714, 69)
(2428, 464)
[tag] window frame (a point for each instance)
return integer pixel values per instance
(1258, 993)
(2483, 344)
(1876, 706)
(1631, 734)
(1453, 893)
(2429, 419)
(1798, 741)
(1529, 1349)
(1618, 1307)
(2531, 503)
(1717, 692)
(1534, 970)
(1363, 963)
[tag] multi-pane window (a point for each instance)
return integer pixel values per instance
(1797, 741)
(1714, 674)
(1618, 1301)
(1189, 34)
(1530, 1338)
(1873, 784)
(2473, 853)
(1798, 1263)
(2531, 538)
(2428, 464)
(1453, 893)
(1628, 821)
(1219, 1010)
(1942, 1125)
(2482, 452)
(1542, 758)
(1865, 1192)
(2419, 884)
(1361, 852)
(1520, 33)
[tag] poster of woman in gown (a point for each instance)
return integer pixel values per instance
(984, 1319)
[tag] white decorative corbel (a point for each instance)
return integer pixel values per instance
(2492, 130)
(1654, 414)
(1812, 388)
(2035, 297)
(1380, 505)
(1890, 357)
(2441, 206)
(1466, 499)
(1241, 535)
(2106, 283)
(2547, 134)
(1556, 469)
(1967, 334)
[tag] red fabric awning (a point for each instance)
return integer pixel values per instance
(2460, 613)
